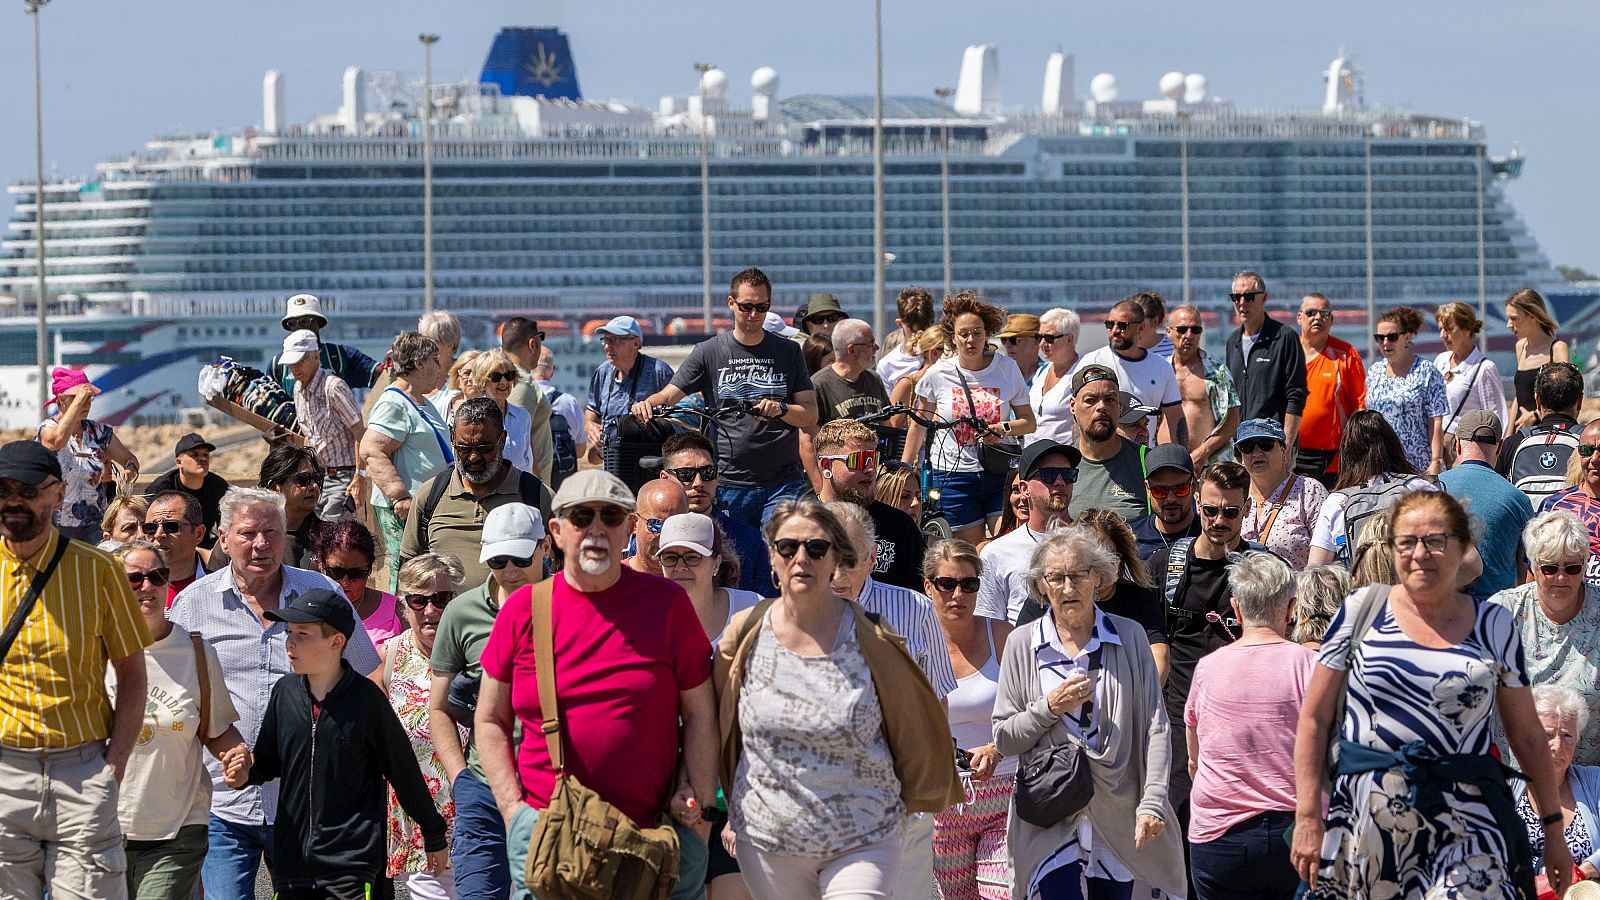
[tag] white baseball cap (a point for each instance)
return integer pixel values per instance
(622, 326)
(692, 531)
(778, 326)
(513, 529)
(297, 346)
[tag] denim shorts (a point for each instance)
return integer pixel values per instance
(969, 498)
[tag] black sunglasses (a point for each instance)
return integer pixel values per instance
(169, 527)
(687, 474)
(1255, 445)
(1015, 339)
(816, 548)
(748, 308)
(583, 516)
(419, 602)
(347, 573)
(1188, 329)
(25, 491)
(968, 585)
(1118, 326)
(500, 562)
(1227, 512)
(824, 320)
(1245, 296)
(498, 377)
(156, 577)
(1386, 338)
(476, 449)
(1048, 474)
(305, 479)
(1546, 569)
(1049, 338)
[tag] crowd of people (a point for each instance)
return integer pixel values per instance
(957, 611)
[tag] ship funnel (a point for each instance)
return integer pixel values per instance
(1060, 84)
(978, 88)
(1342, 93)
(353, 112)
(272, 119)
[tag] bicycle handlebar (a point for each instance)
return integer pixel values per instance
(928, 422)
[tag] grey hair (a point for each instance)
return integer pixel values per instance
(442, 326)
(477, 411)
(1320, 592)
(239, 498)
(421, 569)
(1262, 585)
(1558, 699)
(1556, 535)
(1079, 540)
(411, 350)
(855, 519)
(1064, 319)
(848, 332)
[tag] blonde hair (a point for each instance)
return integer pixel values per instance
(1531, 303)
(420, 570)
(489, 362)
(1460, 315)
(141, 505)
(462, 366)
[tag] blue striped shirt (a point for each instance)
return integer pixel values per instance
(911, 615)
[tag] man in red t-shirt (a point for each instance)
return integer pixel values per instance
(1336, 386)
(631, 660)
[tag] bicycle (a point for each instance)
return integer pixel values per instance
(934, 522)
(675, 416)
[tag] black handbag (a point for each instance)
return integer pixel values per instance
(1053, 784)
(998, 458)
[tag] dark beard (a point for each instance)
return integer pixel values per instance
(1099, 431)
(26, 532)
(850, 495)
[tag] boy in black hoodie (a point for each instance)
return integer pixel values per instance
(332, 737)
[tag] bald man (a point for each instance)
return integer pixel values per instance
(658, 501)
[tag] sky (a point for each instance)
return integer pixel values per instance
(118, 72)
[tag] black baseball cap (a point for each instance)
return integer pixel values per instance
(1089, 375)
(1168, 456)
(28, 462)
(318, 605)
(1038, 450)
(192, 441)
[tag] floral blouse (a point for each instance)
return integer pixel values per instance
(85, 469)
(409, 681)
(1288, 531)
(1409, 402)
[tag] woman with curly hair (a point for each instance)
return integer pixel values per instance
(1408, 391)
(976, 382)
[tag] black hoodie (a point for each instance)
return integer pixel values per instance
(332, 814)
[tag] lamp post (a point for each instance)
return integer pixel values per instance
(944, 94)
(428, 40)
(41, 346)
(705, 199)
(1183, 195)
(1372, 301)
(1483, 292)
(880, 313)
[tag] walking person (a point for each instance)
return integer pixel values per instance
(1283, 505)
(1266, 360)
(191, 473)
(914, 315)
(1049, 390)
(406, 441)
(345, 552)
(1535, 329)
(326, 414)
(1336, 386)
(1471, 379)
(295, 473)
(627, 376)
(1407, 391)
(498, 374)
(87, 450)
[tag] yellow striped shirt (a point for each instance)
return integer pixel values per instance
(53, 682)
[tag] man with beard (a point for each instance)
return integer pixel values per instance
(173, 523)
(1049, 470)
(1139, 371)
(228, 609)
(449, 517)
(1210, 402)
(1336, 386)
(847, 454)
(658, 501)
(1193, 577)
(1169, 480)
(1112, 471)
(63, 741)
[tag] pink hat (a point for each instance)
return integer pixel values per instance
(64, 379)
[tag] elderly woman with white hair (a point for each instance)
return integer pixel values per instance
(1243, 707)
(1081, 678)
(1558, 616)
(1058, 349)
(1564, 714)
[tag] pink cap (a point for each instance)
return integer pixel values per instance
(64, 379)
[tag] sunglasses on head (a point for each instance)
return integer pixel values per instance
(168, 527)
(1244, 296)
(1386, 338)
(1549, 569)
(347, 573)
(748, 308)
(498, 377)
(967, 585)
(855, 460)
(419, 602)
(583, 516)
(687, 474)
(500, 562)
(25, 491)
(1256, 445)
(156, 577)
(1227, 512)
(1188, 329)
(1163, 491)
(816, 548)
(1052, 474)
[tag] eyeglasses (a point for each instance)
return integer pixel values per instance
(1016, 339)
(1551, 569)
(347, 573)
(748, 308)
(1227, 512)
(1188, 329)
(1587, 450)
(1317, 313)
(1386, 338)
(498, 377)
(583, 516)
(1245, 296)
(1407, 543)
(156, 577)
(687, 474)
(832, 319)
(305, 479)
(1112, 325)
(654, 525)
(611, 340)
(476, 449)
(1045, 338)
(816, 548)
(1076, 576)
(1255, 445)
(855, 460)
(419, 602)
(25, 491)
(949, 585)
(171, 526)
(872, 344)
(500, 562)
(1052, 474)
(690, 559)
(1163, 491)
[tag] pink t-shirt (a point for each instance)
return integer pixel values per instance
(1244, 703)
(622, 656)
(385, 621)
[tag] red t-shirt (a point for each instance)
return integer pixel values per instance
(622, 656)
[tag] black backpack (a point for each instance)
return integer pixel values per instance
(1539, 466)
(565, 461)
(528, 491)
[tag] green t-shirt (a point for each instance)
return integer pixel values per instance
(422, 435)
(458, 644)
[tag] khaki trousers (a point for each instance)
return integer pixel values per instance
(58, 825)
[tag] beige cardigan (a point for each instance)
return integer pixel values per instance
(1130, 776)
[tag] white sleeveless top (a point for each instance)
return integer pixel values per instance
(972, 708)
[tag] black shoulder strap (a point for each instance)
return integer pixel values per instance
(1177, 568)
(528, 487)
(440, 484)
(30, 599)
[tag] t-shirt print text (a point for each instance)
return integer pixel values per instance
(750, 378)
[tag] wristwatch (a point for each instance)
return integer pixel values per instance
(783, 408)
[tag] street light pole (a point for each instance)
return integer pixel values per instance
(880, 313)
(1183, 194)
(41, 345)
(1372, 301)
(705, 200)
(1483, 291)
(428, 40)
(944, 94)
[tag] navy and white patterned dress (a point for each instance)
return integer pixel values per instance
(1377, 845)
(1408, 403)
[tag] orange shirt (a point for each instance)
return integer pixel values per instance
(1336, 386)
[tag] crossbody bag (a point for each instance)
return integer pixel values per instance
(998, 458)
(30, 599)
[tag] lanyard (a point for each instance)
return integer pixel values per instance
(444, 445)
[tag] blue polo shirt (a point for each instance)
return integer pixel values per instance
(1502, 509)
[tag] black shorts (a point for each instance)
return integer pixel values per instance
(718, 862)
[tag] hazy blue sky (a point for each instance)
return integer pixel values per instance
(118, 72)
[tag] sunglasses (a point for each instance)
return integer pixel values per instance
(583, 516)
(1052, 474)
(1163, 491)
(156, 577)
(855, 460)
(669, 560)
(500, 562)
(1188, 329)
(1386, 338)
(476, 449)
(748, 308)
(824, 320)
(1118, 326)
(26, 491)
(687, 474)
(1227, 512)
(654, 525)
(419, 602)
(1317, 313)
(167, 527)
(949, 585)
(1547, 569)
(1049, 338)
(1255, 445)
(1587, 450)
(1245, 296)
(1015, 339)
(498, 377)
(305, 479)
(347, 573)
(816, 548)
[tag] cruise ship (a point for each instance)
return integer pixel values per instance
(551, 205)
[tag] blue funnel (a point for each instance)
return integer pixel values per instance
(532, 62)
